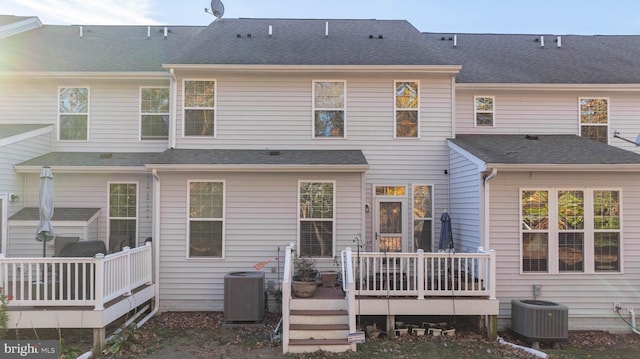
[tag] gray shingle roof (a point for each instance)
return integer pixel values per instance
(102, 48)
(497, 58)
(260, 157)
(91, 159)
(303, 42)
(12, 130)
(199, 157)
(545, 150)
(59, 214)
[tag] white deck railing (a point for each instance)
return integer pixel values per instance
(423, 275)
(73, 281)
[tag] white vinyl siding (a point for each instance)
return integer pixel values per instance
(114, 117)
(589, 295)
(260, 221)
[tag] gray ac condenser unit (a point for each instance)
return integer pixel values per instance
(539, 319)
(244, 298)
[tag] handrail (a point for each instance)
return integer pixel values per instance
(286, 295)
(67, 281)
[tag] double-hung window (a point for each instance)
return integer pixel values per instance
(316, 208)
(422, 217)
(154, 113)
(206, 219)
(73, 113)
(329, 105)
(594, 118)
(484, 110)
(199, 108)
(407, 101)
(570, 231)
(123, 212)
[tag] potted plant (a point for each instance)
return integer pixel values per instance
(329, 278)
(304, 281)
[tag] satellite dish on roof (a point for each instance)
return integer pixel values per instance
(217, 8)
(616, 134)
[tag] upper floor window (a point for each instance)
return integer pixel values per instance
(329, 109)
(594, 118)
(570, 231)
(406, 109)
(206, 219)
(154, 113)
(316, 203)
(73, 112)
(199, 108)
(484, 110)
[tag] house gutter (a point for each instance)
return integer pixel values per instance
(173, 89)
(155, 241)
(485, 212)
(547, 87)
(258, 168)
(115, 75)
(433, 69)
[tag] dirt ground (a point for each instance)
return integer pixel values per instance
(196, 335)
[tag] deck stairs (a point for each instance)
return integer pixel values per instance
(319, 323)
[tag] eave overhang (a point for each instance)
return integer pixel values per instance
(82, 169)
(562, 167)
(547, 87)
(116, 75)
(257, 168)
(431, 69)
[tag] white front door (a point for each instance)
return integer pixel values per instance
(391, 225)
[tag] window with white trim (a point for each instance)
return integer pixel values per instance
(570, 231)
(594, 118)
(123, 213)
(483, 110)
(206, 219)
(316, 209)
(407, 103)
(422, 217)
(329, 106)
(154, 113)
(199, 108)
(73, 113)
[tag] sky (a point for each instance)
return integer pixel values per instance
(554, 17)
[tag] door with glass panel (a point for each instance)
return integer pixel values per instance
(391, 225)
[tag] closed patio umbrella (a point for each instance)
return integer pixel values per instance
(44, 233)
(446, 233)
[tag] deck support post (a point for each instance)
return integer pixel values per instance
(391, 326)
(492, 327)
(99, 341)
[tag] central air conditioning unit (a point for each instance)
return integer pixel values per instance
(539, 319)
(244, 298)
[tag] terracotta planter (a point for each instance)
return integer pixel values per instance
(303, 289)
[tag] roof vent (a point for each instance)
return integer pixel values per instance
(166, 32)
(274, 153)
(148, 32)
(533, 138)
(326, 29)
(238, 36)
(270, 30)
(380, 36)
(455, 40)
(248, 35)
(371, 36)
(80, 31)
(541, 41)
(559, 41)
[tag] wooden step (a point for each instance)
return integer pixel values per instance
(311, 312)
(319, 327)
(318, 342)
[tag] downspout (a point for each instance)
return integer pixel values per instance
(155, 235)
(485, 212)
(173, 89)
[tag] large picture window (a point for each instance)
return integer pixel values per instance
(154, 113)
(123, 214)
(316, 218)
(206, 219)
(407, 101)
(422, 217)
(570, 231)
(329, 109)
(73, 114)
(199, 108)
(594, 118)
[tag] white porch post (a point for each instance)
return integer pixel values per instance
(421, 274)
(128, 275)
(492, 274)
(99, 281)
